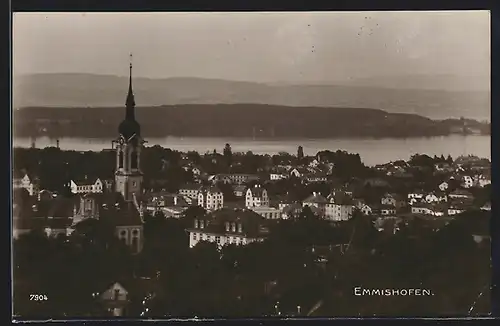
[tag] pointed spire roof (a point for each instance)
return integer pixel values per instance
(130, 103)
(130, 96)
(129, 126)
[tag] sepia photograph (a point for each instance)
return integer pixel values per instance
(205, 165)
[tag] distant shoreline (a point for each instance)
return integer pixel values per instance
(372, 151)
(249, 139)
(239, 121)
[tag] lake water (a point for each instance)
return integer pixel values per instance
(372, 151)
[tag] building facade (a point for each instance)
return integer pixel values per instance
(211, 199)
(269, 213)
(191, 190)
(25, 182)
(129, 144)
(229, 227)
(256, 197)
(86, 186)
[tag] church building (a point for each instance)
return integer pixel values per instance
(120, 207)
(128, 174)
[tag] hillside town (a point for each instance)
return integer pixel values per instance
(393, 194)
(222, 215)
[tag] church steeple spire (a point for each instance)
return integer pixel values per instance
(130, 103)
(129, 126)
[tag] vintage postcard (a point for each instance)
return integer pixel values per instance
(251, 164)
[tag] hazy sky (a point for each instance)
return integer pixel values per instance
(264, 47)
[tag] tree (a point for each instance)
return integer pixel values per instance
(300, 153)
(228, 154)
(418, 160)
(307, 213)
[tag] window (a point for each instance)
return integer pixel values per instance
(120, 160)
(194, 236)
(217, 239)
(135, 243)
(134, 160)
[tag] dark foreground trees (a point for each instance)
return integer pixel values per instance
(303, 262)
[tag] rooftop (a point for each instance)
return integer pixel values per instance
(253, 224)
(257, 191)
(316, 198)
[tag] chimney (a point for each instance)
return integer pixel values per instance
(233, 227)
(314, 193)
(175, 200)
(240, 228)
(227, 226)
(195, 223)
(202, 224)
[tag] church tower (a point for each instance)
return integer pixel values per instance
(128, 174)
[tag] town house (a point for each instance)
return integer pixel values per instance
(415, 196)
(423, 208)
(269, 213)
(298, 172)
(339, 207)
(482, 180)
(436, 197)
(87, 185)
(317, 201)
(443, 186)
(239, 190)
(235, 178)
(229, 226)
(467, 181)
(24, 181)
(256, 196)
(191, 190)
(291, 211)
(211, 198)
(384, 210)
(171, 205)
(394, 200)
